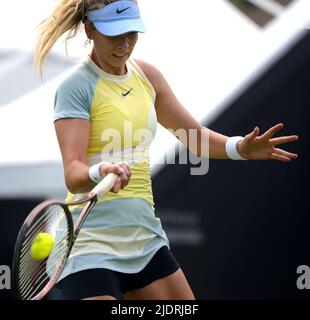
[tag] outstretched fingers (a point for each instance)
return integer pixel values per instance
(263, 147)
(282, 155)
(281, 140)
(270, 132)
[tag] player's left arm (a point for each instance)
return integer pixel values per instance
(173, 115)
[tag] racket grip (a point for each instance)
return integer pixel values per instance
(104, 186)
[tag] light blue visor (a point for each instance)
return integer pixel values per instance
(117, 18)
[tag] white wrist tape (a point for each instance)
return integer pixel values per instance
(231, 148)
(94, 172)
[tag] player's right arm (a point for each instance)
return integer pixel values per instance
(72, 135)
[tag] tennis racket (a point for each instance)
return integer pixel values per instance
(33, 279)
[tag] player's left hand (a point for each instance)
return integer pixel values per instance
(263, 147)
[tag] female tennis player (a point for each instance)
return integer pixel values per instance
(101, 112)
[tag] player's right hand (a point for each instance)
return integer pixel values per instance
(121, 169)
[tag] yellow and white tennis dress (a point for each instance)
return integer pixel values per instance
(122, 232)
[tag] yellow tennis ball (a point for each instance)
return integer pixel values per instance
(42, 246)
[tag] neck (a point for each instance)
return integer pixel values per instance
(115, 70)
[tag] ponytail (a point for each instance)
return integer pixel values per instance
(67, 16)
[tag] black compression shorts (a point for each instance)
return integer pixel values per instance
(99, 282)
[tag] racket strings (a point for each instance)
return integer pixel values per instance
(40, 224)
(34, 275)
(33, 231)
(31, 235)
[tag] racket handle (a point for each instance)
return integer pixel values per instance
(104, 186)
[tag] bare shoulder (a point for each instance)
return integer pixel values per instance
(146, 67)
(151, 72)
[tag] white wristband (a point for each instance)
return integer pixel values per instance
(94, 172)
(231, 148)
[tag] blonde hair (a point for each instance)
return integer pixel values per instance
(67, 16)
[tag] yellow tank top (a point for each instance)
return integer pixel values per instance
(123, 121)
